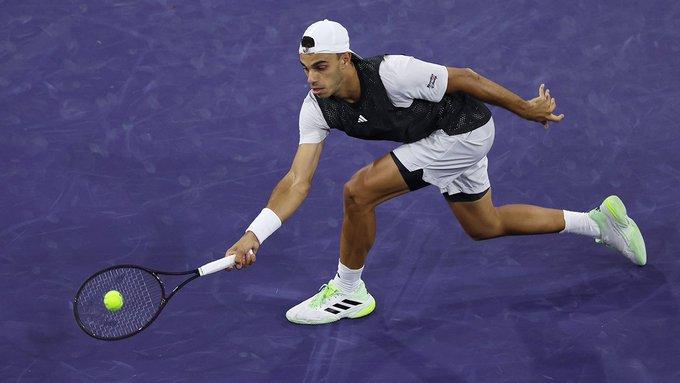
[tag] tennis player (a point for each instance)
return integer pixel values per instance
(446, 130)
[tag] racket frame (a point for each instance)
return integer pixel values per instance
(164, 299)
(209, 268)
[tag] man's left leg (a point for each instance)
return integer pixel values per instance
(609, 223)
(482, 220)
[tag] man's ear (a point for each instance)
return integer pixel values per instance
(346, 58)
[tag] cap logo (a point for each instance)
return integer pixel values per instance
(306, 43)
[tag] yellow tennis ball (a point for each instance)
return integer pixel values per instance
(113, 300)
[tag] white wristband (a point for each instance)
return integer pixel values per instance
(264, 224)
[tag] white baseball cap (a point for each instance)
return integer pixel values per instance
(324, 36)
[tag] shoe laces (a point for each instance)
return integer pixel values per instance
(326, 291)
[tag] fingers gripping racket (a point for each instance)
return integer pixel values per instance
(144, 297)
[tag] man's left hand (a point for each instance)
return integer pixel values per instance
(541, 108)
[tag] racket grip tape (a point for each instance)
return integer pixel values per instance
(218, 265)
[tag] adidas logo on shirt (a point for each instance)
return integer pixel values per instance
(362, 119)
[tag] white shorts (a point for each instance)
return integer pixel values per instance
(457, 164)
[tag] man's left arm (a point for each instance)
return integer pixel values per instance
(539, 109)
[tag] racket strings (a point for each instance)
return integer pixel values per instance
(142, 295)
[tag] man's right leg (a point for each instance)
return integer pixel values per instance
(346, 296)
(369, 187)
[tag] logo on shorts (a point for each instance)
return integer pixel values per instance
(433, 78)
(362, 119)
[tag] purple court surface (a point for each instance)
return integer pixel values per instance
(152, 132)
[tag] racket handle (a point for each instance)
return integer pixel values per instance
(218, 265)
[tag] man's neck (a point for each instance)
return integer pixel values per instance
(350, 90)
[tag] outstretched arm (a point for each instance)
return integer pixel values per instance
(292, 190)
(285, 199)
(539, 109)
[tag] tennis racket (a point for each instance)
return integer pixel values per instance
(143, 293)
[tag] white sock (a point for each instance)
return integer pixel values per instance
(580, 223)
(347, 279)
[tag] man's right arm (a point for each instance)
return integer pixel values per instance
(285, 199)
(293, 188)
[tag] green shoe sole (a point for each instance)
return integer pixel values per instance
(369, 309)
(637, 243)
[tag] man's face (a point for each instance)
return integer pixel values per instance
(324, 72)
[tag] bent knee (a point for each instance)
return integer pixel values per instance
(484, 233)
(354, 193)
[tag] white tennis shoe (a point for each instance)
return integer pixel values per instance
(619, 231)
(330, 305)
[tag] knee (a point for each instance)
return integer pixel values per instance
(354, 194)
(482, 233)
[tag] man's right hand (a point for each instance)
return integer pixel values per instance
(244, 250)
